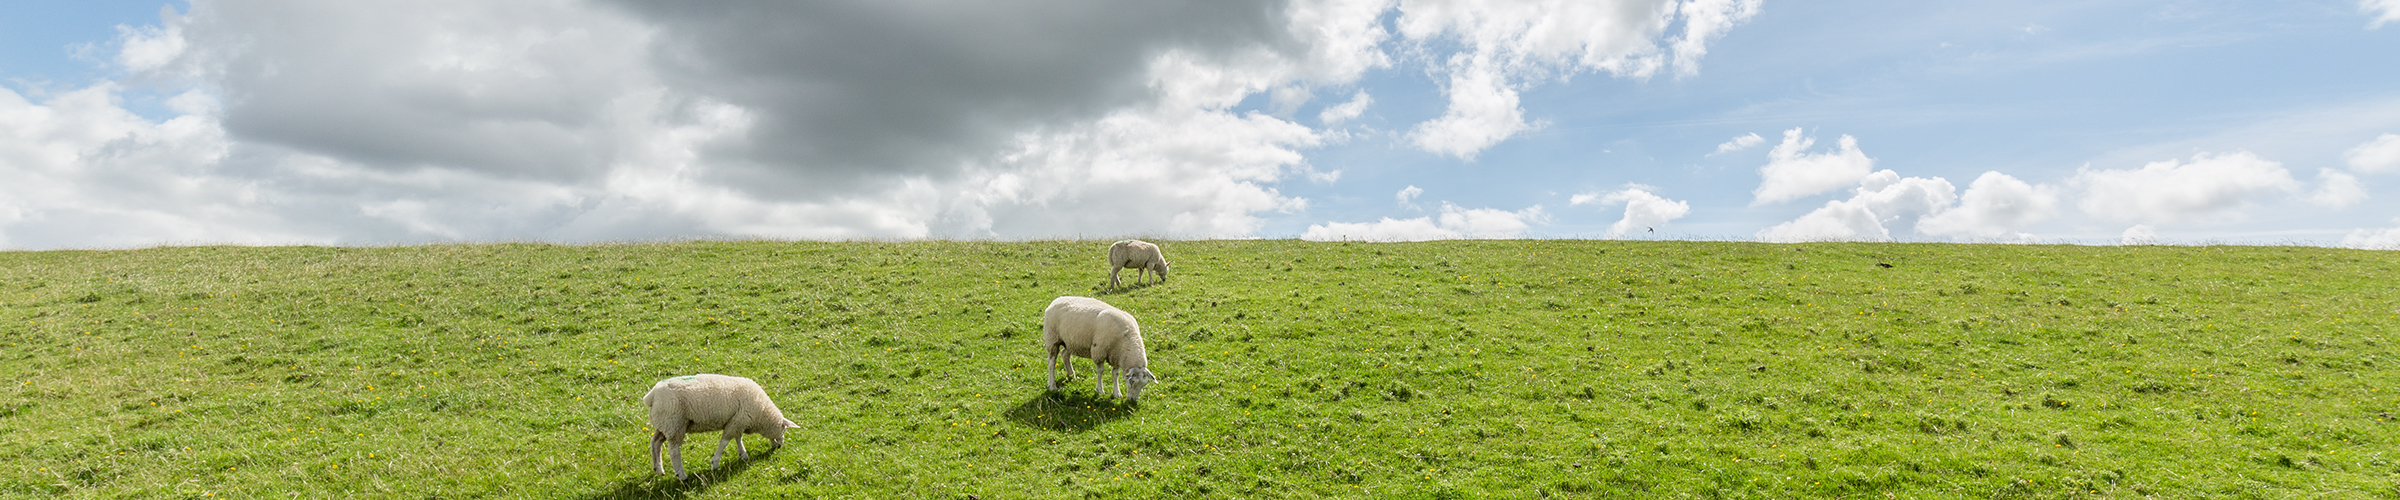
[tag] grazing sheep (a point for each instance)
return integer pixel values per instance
(1139, 255)
(710, 402)
(1086, 327)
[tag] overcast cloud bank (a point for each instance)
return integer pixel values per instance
(560, 120)
(601, 120)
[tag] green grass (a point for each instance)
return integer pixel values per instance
(1500, 369)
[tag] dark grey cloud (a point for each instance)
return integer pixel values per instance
(517, 89)
(847, 92)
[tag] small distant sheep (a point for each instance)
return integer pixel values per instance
(710, 402)
(1139, 255)
(1088, 328)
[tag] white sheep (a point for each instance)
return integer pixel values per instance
(1086, 327)
(710, 402)
(1139, 255)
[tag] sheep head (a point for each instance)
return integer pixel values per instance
(774, 433)
(1161, 268)
(1135, 380)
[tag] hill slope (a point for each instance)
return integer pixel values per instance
(1509, 369)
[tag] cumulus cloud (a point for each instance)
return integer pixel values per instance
(2373, 239)
(1408, 196)
(1703, 20)
(2139, 234)
(1746, 141)
(2337, 190)
(1992, 209)
(1347, 110)
(2381, 155)
(1508, 44)
(1881, 199)
(1792, 172)
(1453, 223)
(2383, 12)
(1643, 210)
(2210, 187)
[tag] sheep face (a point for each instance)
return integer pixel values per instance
(1161, 269)
(1135, 380)
(774, 434)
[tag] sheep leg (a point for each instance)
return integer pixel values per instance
(656, 438)
(737, 446)
(676, 449)
(1112, 276)
(1055, 350)
(729, 437)
(1100, 376)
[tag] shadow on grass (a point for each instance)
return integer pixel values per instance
(1106, 290)
(651, 485)
(1070, 411)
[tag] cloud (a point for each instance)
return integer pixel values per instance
(1792, 173)
(565, 120)
(1881, 199)
(2211, 187)
(1643, 210)
(2384, 11)
(1746, 141)
(2373, 239)
(2139, 234)
(1509, 44)
(2339, 190)
(1408, 196)
(2381, 155)
(1992, 208)
(1453, 223)
(1483, 111)
(1703, 20)
(1336, 114)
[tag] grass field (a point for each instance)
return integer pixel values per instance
(1486, 369)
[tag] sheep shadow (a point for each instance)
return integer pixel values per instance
(1106, 290)
(651, 485)
(1069, 411)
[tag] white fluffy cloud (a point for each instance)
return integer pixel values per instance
(2337, 190)
(1992, 209)
(1453, 223)
(1408, 196)
(1643, 210)
(1884, 205)
(2381, 155)
(1508, 44)
(1746, 141)
(1881, 199)
(1792, 172)
(2383, 11)
(2139, 234)
(1336, 114)
(2210, 187)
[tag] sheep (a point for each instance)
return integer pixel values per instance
(710, 402)
(1139, 255)
(1086, 327)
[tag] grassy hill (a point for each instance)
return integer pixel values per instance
(1487, 369)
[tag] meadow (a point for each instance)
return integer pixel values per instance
(1436, 370)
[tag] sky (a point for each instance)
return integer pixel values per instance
(128, 124)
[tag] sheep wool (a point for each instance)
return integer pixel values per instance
(1139, 255)
(710, 402)
(1088, 328)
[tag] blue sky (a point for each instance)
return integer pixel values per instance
(2093, 122)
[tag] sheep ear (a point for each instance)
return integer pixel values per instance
(787, 424)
